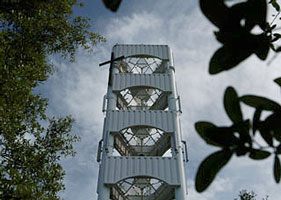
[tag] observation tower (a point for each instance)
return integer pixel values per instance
(141, 154)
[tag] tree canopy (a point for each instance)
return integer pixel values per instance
(32, 143)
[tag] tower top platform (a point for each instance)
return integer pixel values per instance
(162, 52)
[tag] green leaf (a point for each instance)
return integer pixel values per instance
(275, 5)
(256, 119)
(228, 57)
(201, 128)
(217, 136)
(241, 150)
(209, 168)
(243, 128)
(278, 149)
(256, 12)
(278, 49)
(260, 102)
(261, 45)
(276, 169)
(273, 126)
(232, 105)
(216, 11)
(113, 5)
(222, 136)
(278, 81)
(266, 134)
(257, 154)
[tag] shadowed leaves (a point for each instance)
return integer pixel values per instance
(113, 5)
(260, 102)
(209, 168)
(276, 169)
(257, 154)
(238, 41)
(232, 105)
(278, 81)
(237, 138)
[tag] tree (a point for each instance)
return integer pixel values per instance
(245, 195)
(235, 24)
(31, 143)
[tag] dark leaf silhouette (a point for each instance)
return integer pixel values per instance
(209, 168)
(276, 169)
(275, 4)
(113, 5)
(238, 41)
(222, 136)
(217, 136)
(278, 81)
(273, 126)
(232, 105)
(256, 119)
(216, 11)
(257, 154)
(260, 102)
(201, 128)
(227, 57)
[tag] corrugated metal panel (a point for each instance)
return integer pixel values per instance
(159, 51)
(126, 80)
(119, 168)
(120, 119)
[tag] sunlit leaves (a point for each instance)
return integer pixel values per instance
(209, 168)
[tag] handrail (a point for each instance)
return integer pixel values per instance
(99, 150)
(179, 103)
(104, 103)
(185, 148)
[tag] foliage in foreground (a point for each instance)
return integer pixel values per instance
(31, 144)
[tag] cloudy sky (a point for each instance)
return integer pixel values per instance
(78, 89)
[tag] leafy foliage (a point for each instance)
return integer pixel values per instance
(235, 24)
(238, 138)
(31, 144)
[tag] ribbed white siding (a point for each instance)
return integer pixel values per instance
(159, 51)
(125, 80)
(120, 119)
(119, 168)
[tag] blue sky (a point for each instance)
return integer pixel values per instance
(78, 89)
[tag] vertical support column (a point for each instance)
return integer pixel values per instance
(177, 137)
(103, 191)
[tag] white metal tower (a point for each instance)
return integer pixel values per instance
(141, 154)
